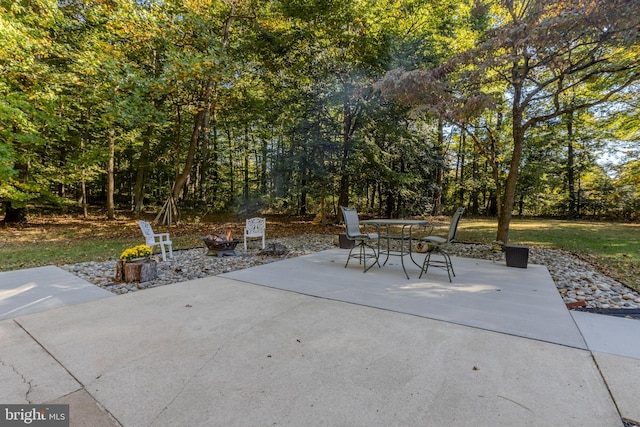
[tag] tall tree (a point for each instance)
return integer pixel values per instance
(542, 51)
(27, 86)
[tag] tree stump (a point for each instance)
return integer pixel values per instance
(136, 271)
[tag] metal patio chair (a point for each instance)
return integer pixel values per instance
(437, 244)
(361, 240)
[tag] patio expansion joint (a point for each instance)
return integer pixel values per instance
(48, 352)
(606, 384)
(604, 378)
(82, 385)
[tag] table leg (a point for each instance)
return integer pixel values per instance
(410, 245)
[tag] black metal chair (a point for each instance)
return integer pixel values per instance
(437, 244)
(361, 240)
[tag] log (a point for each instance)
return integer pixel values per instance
(136, 271)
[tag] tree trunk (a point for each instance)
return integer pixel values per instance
(232, 187)
(474, 202)
(323, 204)
(518, 74)
(350, 115)
(461, 166)
(390, 203)
(213, 171)
(345, 182)
(110, 174)
(136, 271)
(198, 123)
(496, 201)
(263, 166)
(437, 194)
(83, 184)
(508, 200)
(62, 163)
(205, 161)
(570, 167)
(302, 210)
(245, 160)
(14, 215)
(143, 167)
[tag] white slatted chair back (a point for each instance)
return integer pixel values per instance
(156, 239)
(255, 227)
(147, 232)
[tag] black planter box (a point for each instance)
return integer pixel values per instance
(516, 256)
(344, 242)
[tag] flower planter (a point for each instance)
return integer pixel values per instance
(136, 270)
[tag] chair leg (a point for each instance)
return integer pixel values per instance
(349, 257)
(444, 264)
(362, 255)
(374, 256)
(425, 264)
(449, 263)
(359, 256)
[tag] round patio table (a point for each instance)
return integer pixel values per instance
(384, 226)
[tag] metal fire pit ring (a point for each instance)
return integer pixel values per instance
(218, 244)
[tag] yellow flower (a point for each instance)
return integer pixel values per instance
(139, 251)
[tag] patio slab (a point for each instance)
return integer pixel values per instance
(376, 349)
(27, 372)
(39, 289)
(609, 334)
(220, 352)
(615, 345)
(484, 294)
(621, 375)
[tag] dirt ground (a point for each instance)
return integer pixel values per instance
(70, 227)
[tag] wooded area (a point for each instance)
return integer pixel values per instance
(400, 108)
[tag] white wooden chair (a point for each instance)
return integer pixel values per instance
(156, 239)
(254, 227)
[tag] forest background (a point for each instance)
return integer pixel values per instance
(398, 107)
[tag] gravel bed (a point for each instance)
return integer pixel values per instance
(577, 281)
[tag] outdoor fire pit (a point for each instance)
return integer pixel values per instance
(221, 245)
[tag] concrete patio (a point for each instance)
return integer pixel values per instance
(306, 341)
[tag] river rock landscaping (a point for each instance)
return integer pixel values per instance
(577, 280)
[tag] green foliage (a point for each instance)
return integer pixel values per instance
(6, 164)
(274, 105)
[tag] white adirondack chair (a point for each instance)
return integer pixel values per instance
(156, 239)
(255, 227)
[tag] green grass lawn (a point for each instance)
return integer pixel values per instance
(614, 247)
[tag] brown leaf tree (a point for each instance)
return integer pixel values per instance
(535, 56)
